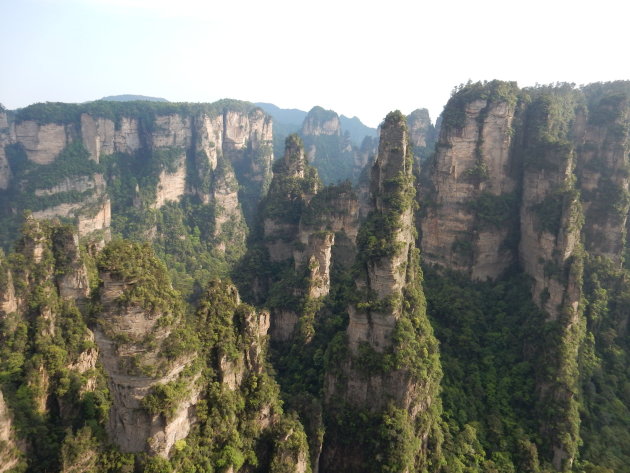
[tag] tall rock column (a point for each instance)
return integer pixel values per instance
(604, 171)
(383, 376)
(469, 213)
(5, 139)
(550, 252)
(146, 350)
(293, 186)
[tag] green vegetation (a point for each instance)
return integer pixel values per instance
(38, 349)
(605, 368)
(454, 115)
(549, 212)
(231, 430)
(486, 331)
(550, 115)
(494, 211)
(145, 111)
(147, 277)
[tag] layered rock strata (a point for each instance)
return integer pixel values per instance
(181, 145)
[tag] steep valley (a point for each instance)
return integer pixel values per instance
(184, 288)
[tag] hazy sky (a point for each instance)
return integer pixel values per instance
(360, 58)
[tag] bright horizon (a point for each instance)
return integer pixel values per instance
(352, 57)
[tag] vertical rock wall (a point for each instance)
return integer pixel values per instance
(380, 328)
(466, 226)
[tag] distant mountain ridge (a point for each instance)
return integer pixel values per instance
(292, 119)
(131, 97)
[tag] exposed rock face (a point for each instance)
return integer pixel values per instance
(42, 143)
(365, 155)
(209, 137)
(388, 288)
(602, 169)
(9, 452)
(72, 280)
(329, 148)
(500, 150)
(385, 276)
(135, 367)
(91, 214)
(321, 122)
(248, 146)
(473, 168)
(241, 135)
(100, 221)
(8, 299)
(550, 252)
(329, 224)
(5, 139)
(420, 128)
(320, 249)
(293, 186)
(172, 185)
(550, 214)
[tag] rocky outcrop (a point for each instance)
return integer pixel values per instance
(172, 185)
(9, 452)
(293, 186)
(420, 128)
(468, 214)
(551, 213)
(42, 142)
(386, 276)
(321, 122)
(72, 279)
(329, 149)
(132, 333)
(422, 135)
(248, 147)
(602, 169)
(91, 213)
(390, 297)
(550, 251)
(100, 221)
(161, 141)
(6, 138)
(8, 298)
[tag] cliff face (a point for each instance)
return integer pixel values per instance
(9, 452)
(536, 177)
(150, 377)
(387, 324)
(45, 343)
(167, 153)
(136, 335)
(466, 226)
(602, 170)
(5, 139)
(328, 148)
(422, 134)
(294, 185)
(321, 122)
(304, 226)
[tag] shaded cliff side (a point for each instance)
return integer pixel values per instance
(384, 372)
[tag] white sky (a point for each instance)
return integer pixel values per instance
(362, 58)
